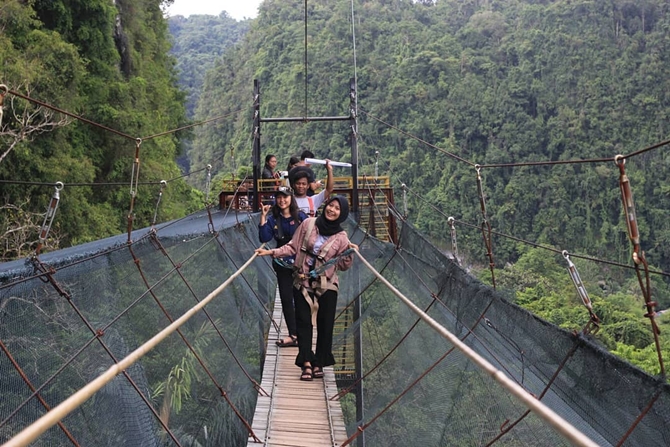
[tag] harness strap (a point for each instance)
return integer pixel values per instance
(317, 269)
(300, 255)
(323, 267)
(313, 304)
(318, 291)
(322, 252)
(312, 211)
(279, 228)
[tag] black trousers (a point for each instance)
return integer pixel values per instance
(285, 284)
(325, 321)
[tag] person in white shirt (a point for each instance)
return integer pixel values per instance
(299, 179)
(314, 184)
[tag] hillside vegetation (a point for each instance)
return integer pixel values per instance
(491, 82)
(198, 42)
(107, 62)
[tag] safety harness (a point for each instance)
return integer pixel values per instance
(317, 281)
(282, 240)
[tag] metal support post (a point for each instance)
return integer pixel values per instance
(353, 113)
(256, 150)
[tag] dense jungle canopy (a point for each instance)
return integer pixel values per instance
(499, 81)
(490, 81)
(107, 62)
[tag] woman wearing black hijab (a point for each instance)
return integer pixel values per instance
(315, 242)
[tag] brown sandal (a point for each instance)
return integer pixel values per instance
(307, 373)
(286, 344)
(318, 372)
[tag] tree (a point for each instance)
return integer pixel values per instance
(24, 120)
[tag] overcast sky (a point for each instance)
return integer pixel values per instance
(237, 9)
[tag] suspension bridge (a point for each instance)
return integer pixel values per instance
(442, 359)
(165, 336)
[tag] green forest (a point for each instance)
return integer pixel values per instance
(490, 82)
(109, 63)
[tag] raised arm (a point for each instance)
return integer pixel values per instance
(330, 183)
(265, 227)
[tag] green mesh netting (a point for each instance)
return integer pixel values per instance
(52, 338)
(455, 403)
(97, 307)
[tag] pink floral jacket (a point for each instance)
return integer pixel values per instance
(337, 246)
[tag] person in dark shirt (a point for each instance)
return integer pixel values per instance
(269, 173)
(293, 162)
(279, 222)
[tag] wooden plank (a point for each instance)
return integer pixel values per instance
(299, 413)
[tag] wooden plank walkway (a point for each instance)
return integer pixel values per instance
(297, 413)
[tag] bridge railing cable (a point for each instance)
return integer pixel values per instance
(469, 332)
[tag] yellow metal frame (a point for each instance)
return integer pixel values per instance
(364, 182)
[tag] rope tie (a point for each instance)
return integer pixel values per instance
(134, 180)
(210, 223)
(454, 246)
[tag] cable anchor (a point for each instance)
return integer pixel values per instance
(135, 174)
(134, 182)
(486, 225)
(49, 217)
(208, 183)
(480, 191)
(454, 246)
(158, 202)
(629, 207)
(641, 264)
(594, 324)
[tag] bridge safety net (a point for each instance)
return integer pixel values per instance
(418, 390)
(66, 316)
